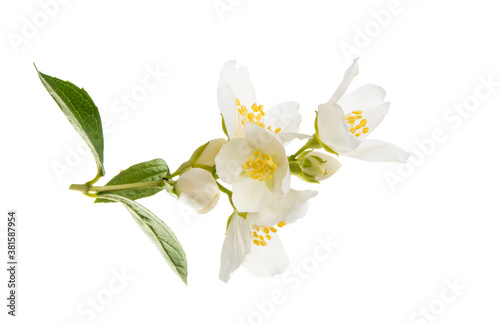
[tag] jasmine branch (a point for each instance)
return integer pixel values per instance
(85, 188)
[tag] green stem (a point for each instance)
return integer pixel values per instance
(183, 167)
(229, 194)
(312, 143)
(204, 167)
(224, 189)
(148, 184)
(97, 177)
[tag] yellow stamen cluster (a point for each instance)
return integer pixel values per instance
(259, 238)
(357, 123)
(259, 166)
(255, 115)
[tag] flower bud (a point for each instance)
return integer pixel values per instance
(205, 154)
(319, 166)
(197, 189)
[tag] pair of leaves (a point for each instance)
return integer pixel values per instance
(159, 233)
(83, 114)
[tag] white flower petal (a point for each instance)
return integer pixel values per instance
(349, 75)
(267, 261)
(362, 98)
(237, 244)
(265, 142)
(298, 199)
(369, 99)
(291, 207)
(227, 106)
(374, 116)
(379, 151)
(332, 129)
(251, 195)
(239, 80)
(229, 161)
(282, 188)
(288, 137)
(284, 116)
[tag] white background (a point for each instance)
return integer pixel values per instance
(399, 248)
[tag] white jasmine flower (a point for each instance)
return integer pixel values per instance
(256, 166)
(238, 105)
(254, 241)
(344, 122)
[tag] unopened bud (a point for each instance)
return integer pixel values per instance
(197, 189)
(205, 154)
(319, 166)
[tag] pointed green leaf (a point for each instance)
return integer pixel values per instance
(224, 128)
(161, 235)
(81, 112)
(328, 149)
(152, 170)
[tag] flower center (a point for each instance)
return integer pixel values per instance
(259, 238)
(357, 123)
(259, 166)
(256, 115)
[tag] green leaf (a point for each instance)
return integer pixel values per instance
(316, 122)
(229, 220)
(224, 129)
(152, 170)
(161, 235)
(328, 149)
(197, 153)
(81, 112)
